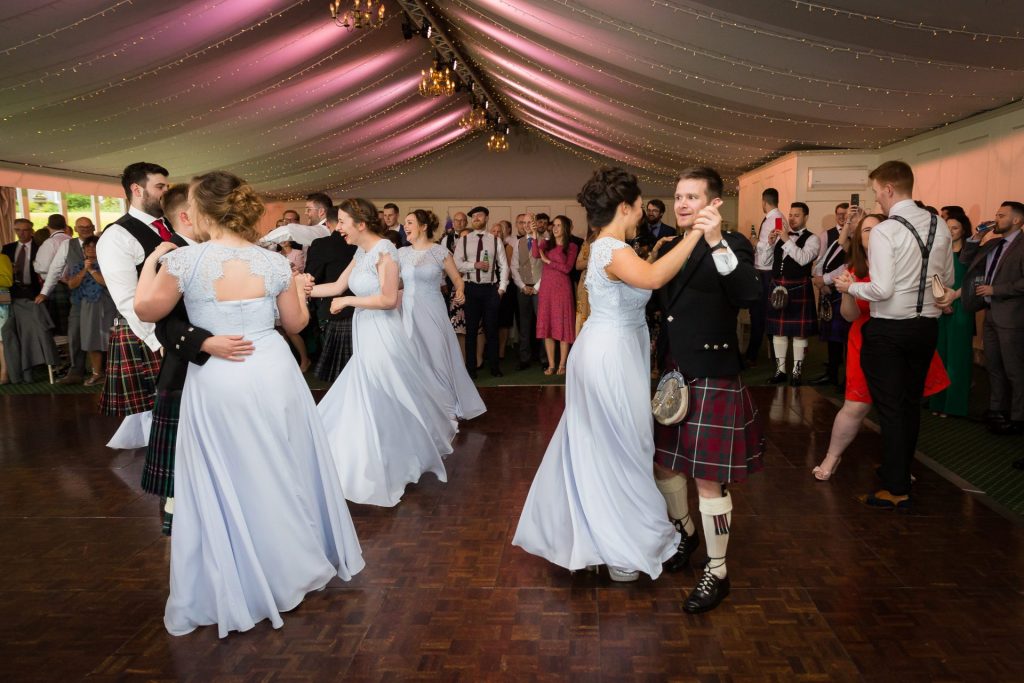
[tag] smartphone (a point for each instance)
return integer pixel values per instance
(855, 199)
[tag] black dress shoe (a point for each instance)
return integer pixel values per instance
(794, 380)
(777, 378)
(496, 372)
(823, 380)
(707, 595)
(687, 544)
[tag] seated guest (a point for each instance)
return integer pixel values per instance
(28, 332)
(97, 310)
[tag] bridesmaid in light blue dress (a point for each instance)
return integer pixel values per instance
(384, 415)
(425, 315)
(594, 499)
(260, 518)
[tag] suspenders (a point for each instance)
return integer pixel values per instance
(495, 272)
(925, 253)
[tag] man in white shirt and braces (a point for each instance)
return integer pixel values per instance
(905, 253)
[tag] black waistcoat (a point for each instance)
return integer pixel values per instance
(786, 268)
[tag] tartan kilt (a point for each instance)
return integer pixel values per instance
(158, 470)
(131, 375)
(837, 329)
(336, 351)
(720, 439)
(799, 317)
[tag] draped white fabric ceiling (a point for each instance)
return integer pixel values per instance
(274, 91)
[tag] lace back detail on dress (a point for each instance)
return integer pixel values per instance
(198, 267)
(612, 300)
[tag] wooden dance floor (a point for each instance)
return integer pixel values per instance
(823, 589)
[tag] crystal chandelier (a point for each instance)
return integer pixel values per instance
(474, 120)
(497, 142)
(352, 14)
(436, 82)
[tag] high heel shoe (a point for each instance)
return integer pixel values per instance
(821, 474)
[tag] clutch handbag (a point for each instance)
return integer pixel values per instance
(938, 289)
(671, 399)
(779, 297)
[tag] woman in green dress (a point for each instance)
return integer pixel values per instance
(956, 334)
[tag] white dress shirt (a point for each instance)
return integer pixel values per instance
(119, 254)
(467, 266)
(296, 232)
(764, 251)
(802, 255)
(894, 263)
(47, 251)
(725, 261)
(58, 267)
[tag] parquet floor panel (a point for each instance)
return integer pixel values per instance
(823, 589)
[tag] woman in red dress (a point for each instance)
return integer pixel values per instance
(556, 314)
(858, 398)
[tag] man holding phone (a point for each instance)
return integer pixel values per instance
(995, 281)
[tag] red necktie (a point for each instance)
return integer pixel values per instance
(161, 227)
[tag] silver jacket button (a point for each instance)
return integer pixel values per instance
(716, 347)
(725, 346)
(670, 318)
(707, 346)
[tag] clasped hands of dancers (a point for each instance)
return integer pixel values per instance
(259, 491)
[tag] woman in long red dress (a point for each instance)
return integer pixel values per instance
(556, 314)
(858, 398)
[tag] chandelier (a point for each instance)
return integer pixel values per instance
(474, 120)
(352, 14)
(437, 82)
(497, 142)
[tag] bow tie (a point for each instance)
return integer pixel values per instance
(794, 234)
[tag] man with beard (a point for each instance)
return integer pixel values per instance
(132, 360)
(718, 441)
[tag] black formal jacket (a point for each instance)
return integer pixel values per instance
(181, 341)
(35, 285)
(326, 259)
(701, 307)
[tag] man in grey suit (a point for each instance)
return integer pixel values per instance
(995, 282)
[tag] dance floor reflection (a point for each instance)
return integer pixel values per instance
(822, 589)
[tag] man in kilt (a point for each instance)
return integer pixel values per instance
(326, 260)
(794, 252)
(719, 440)
(830, 264)
(132, 360)
(183, 343)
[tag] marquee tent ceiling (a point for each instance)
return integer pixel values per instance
(274, 91)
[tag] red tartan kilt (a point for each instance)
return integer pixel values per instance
(799, 317)
(720, 439)
(131, 375)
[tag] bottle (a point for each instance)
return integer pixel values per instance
(486, 259)
(753, 232)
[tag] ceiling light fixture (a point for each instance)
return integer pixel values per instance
(436, 82)
(352, 14)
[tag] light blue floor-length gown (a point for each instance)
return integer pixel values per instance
(593, 500)
(260, 518)
(426, 322)
(384, 417)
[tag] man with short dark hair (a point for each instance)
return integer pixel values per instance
(27, 334)
(132, 360)
(994, 282)
(480, 257)
(774, 223)
(792, 312)
(70, 254)
(951, 210)
(317, 206)
(326, 259)
(389, 216)
(290, 215)
(718, 442)
(905, 253)
(832, 261)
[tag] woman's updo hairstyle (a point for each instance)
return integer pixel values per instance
(427, 219)
(229, 202)
(363, 211)
(603, 193)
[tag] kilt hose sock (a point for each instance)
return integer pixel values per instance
(716, 514)
(781, 346)
(674, 491)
